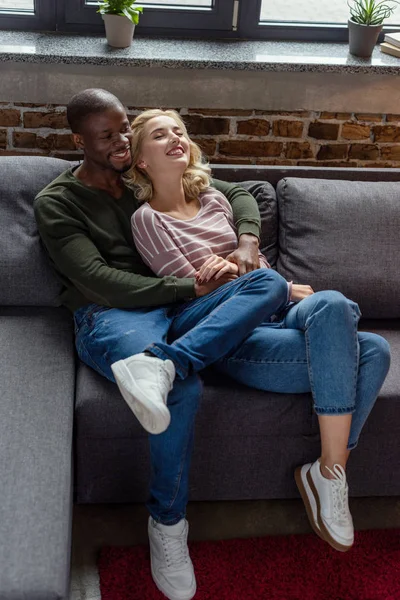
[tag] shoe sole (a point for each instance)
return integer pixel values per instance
(170, 596)
(304, 496)
(324, 531)
(154, 418)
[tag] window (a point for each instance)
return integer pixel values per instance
(313, 20)
(321, 11)
(187, 17)
(315, 11)
(28, 14)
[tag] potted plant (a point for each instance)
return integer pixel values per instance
(366, 22)
(120, 18)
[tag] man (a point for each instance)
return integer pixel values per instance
(84, 220)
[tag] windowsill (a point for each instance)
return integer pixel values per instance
(311, 57)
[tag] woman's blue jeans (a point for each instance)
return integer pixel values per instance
(314, 347)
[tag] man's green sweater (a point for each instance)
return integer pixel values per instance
(88, 236)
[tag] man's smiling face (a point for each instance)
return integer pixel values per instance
(106, 139)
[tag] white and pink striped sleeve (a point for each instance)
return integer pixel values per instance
(156, 247)
(229, 215)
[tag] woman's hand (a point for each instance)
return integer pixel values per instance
(246, 254)
(299, 292)
(215, 267)
(202, 289)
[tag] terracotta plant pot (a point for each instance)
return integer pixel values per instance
(119, 31)
(362, 38)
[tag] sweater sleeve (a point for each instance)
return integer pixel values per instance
(156, 247)
(76, 257)
(246, 215)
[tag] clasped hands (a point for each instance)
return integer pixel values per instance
(242, 260)
(217, 270)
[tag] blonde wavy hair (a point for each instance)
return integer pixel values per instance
(196, 177)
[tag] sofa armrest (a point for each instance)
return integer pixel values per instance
(36, 417)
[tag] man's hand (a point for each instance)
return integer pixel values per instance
(299, 292)
(246, 254)
(202, 289)
(215, 267)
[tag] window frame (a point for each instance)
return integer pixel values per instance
(75, 15)
(249, 27)
(43, 18)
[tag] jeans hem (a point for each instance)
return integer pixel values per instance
(172, 521)
(334, 410)
(352, 446)
(180, 371)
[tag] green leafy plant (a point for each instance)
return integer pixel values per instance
(371, 12)
(123, 8)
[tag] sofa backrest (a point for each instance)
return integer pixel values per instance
(274, 174)
(25, 273)
(344, 236)
(265, 195)
(332, 234)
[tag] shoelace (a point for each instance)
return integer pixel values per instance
(175, 551)
(340, 494)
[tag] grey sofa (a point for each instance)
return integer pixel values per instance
(329, 228)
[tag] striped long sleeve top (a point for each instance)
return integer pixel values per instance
(171, 246)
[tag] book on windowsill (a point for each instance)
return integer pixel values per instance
(390, 49)
(393, 39)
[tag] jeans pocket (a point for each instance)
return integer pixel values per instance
(85, 321)
(82, 314)
(90, 360)
(97, 310)
(94, 311)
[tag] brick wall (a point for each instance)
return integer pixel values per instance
(231, 136)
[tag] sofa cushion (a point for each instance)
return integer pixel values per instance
(343, 235)
(265, 195)
(25, 273)
(236, 426)
(247, 442)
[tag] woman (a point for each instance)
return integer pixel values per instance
(312, 345)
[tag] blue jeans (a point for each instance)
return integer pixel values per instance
(193, 334)
(316, 348)
(313, 347)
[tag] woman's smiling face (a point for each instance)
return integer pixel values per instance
(164, 146)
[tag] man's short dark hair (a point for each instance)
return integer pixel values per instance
(88, 102)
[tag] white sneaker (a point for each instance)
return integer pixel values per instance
(171, 567)
(310, 504)
(144, 382)
(327, 501)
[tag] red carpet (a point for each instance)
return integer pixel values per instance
(300, 567)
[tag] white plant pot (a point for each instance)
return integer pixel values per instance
(119, 30)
